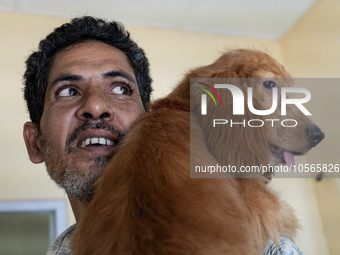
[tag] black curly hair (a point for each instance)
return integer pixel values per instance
(76, 31)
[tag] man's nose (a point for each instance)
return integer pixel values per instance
(94, 105)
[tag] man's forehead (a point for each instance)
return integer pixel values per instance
(90, 56)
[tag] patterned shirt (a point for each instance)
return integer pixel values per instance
(62, 245)
(286, 247)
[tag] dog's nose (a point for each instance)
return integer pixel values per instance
(315, 135)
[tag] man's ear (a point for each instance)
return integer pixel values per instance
(33, 144)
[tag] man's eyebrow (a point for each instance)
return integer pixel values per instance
(66, 77)
(74, 77)
(116, 73)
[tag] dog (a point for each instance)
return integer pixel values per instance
(146, 202)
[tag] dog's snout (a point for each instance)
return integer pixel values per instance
(315, 135)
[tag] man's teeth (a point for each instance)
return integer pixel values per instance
(96, 140)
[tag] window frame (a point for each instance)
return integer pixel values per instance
(56, 210)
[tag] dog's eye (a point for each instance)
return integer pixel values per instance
(269, 84)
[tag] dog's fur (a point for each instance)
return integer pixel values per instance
(146, 203)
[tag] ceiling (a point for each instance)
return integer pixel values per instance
(267, 19)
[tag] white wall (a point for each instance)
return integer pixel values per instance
(311, 49)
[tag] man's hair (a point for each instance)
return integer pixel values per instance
(79, 30)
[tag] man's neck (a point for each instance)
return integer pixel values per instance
(78, 207)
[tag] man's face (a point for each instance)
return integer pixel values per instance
(91, 101)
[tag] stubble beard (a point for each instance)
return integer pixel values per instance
(76, 182)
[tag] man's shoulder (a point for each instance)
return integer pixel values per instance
(62, 245)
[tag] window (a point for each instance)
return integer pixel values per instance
(29, 227)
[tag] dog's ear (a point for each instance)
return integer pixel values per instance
(229, 137)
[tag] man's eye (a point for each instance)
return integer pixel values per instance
(122, 90)
(66, 92)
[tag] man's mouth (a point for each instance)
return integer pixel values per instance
(96, 141)
(97, 137)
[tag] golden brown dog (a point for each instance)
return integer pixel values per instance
(146, 203)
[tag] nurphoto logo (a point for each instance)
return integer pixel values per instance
(238, 108)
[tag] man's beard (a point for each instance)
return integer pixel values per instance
(76, 182)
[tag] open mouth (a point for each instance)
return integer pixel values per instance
(96, 138)
(97, 141)
(282, 156)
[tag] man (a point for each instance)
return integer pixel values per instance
(84, 87)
